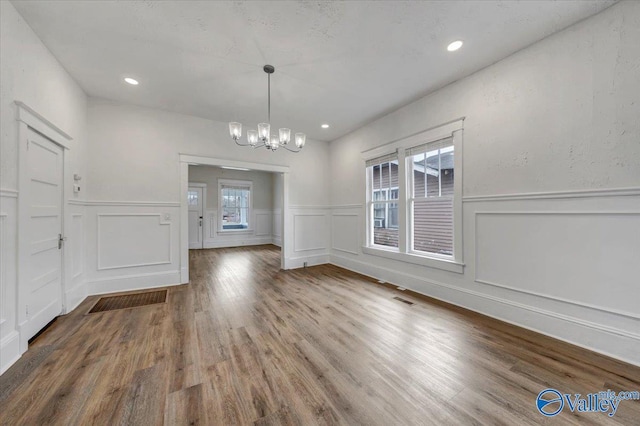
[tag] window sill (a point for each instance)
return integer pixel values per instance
(235, 231)
(431, 262)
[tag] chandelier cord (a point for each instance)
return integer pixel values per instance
(269, 98)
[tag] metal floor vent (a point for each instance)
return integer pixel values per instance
(408, 302)
(125, 301)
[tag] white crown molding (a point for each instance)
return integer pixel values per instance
(587, 193)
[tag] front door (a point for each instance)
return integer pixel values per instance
(194, 199)
(43, 250)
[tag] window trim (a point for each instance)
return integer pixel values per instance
(404, 252)
(220, 214)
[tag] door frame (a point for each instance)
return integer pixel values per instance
(29, 119)
(203, 205)
(185, 160)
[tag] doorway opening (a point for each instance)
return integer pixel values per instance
(233, 208)
(228, 203)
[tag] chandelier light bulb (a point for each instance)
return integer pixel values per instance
(252, 137)
(285, 136)
(300, 140)
(264, 130)
(235, 129)
(275, 143)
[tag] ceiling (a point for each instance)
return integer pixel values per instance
(342, 63)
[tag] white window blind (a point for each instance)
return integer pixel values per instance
(382, 159)
(430, 146)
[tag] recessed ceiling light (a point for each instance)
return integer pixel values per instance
(325, 126)
(131, 81)
(454, 46)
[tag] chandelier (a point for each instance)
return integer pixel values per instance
(262, 136)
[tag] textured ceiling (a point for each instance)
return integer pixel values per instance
(343, 63)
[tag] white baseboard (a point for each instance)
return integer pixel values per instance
(75, 296)
(606, 340)
(276, 241)
(312, 260)
(9, 351)
(240, 242)
(133, 282)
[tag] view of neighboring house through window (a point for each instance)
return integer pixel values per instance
(431, 204)
(235, 204)
(384, 201)
(427, 204)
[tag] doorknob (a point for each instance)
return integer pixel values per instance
(61, 239)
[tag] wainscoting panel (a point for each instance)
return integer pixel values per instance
(9, 337)
(345, 232)
(210, 226)
(263, 223)
(277, 227)
(131, 246)
(310, 231)
(589, 258)
(77, 245)
(127, 240)
(75, 258)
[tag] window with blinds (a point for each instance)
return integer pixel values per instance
(383, 199)
(430, 202)
(235, 205)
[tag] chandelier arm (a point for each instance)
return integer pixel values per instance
(289, 149)
(240, 144)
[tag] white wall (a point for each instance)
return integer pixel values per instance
(29, 73)
(261, 203)
(261, 198)
(134, 164)
(553, 131)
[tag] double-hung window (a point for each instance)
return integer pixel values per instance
(383, 200)
(430, 203)
(235, 205)
(414, 206)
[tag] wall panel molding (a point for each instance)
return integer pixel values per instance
(3, 268)
(587, 193)
(310, 231)
(521, 213)
(102, 265)
(124, 203)
(345, 232)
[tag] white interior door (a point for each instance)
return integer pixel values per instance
(43, 245)
(196, 208)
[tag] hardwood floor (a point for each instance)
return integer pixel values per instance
(245, 343)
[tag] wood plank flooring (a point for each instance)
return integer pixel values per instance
(246, 343)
